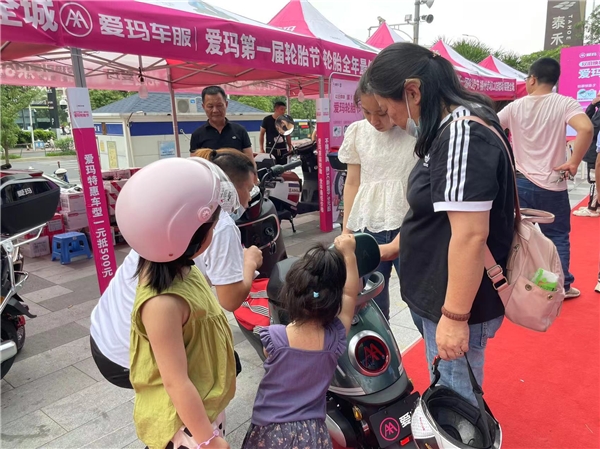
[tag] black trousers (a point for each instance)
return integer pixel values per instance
(119, 376)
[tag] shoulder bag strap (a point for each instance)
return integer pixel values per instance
(494, 271)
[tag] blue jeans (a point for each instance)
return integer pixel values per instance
(557, 203)
(455, 374)
(385, 268)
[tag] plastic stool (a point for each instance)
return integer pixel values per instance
(70, 244)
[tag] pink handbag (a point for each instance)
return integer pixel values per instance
(525, 303)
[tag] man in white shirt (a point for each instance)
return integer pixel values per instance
(227, 266)
(538, 127)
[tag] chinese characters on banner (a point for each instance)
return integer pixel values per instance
(342, 113)
(160, 31)
(561, 23)
(580, 75)
(93, 188)
(323, 145)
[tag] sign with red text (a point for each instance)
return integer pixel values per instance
(82, 125)
(323, 145)
(342, 113)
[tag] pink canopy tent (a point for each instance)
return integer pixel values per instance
(384, 36)
(477, 78)
(345, 53)
(497, 66)
(197, 43)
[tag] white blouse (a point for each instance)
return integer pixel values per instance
(386, 160)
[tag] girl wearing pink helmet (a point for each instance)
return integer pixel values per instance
(182, 361)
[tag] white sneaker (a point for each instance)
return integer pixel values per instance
(585, 212)
(597, 289)
(572, 293)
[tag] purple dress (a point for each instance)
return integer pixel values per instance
(289, 410)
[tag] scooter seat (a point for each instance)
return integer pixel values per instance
(277, 280)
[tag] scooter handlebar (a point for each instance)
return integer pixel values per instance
(280, 169)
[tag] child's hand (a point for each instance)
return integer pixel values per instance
(345, 244)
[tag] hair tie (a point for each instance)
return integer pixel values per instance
(315, 294)
(435, 53)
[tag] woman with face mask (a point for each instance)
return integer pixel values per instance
(379, 157)
(461, 198)
(226, 264)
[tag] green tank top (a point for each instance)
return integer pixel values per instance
(211, 364)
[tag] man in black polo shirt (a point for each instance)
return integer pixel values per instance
(273, 137)
(218, 132)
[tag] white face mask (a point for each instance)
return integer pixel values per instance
(411, 127)
(237, 214)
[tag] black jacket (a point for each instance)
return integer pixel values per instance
(593, 112)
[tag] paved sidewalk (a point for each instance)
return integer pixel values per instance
(54, 396)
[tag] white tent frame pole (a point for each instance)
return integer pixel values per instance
(174, 113)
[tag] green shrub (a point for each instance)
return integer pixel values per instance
(43, 134)
(65, 144)
(23, 137)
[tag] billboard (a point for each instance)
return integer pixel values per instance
(561, 23)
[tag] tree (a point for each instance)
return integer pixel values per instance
(13, 99)
(591, 27)
(99, 98)
(306, 110)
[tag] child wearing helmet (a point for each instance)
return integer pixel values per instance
(182, 360)
(319, 294)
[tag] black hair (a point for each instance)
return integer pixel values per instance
(363, 88)
(236, 165)
(278, 104)
(160, 275)
(546, 70)
(213, 90)
(314, 286)
(440, 87)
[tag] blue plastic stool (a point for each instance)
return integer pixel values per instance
(70, 244)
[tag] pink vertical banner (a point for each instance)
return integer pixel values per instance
(580, 75)
(342, 113)
(323, 144)
(82, 125)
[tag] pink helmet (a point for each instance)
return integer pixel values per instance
(162, 206)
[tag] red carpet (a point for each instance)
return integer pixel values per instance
(544, 387)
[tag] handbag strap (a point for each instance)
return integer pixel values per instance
(493, 269)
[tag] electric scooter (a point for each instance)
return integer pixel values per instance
(28, 202)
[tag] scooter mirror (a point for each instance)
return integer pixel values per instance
(367, 253)
(285, 124)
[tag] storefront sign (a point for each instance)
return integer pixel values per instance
(91, 179)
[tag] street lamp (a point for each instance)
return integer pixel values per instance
(428, 18)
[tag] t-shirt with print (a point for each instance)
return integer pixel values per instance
(467, 169)
(538, 127)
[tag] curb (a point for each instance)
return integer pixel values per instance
(45, 158)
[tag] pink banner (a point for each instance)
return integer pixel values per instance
(495, 88)
(342, 113)
(93, 189)
(323, 144)
(580, 73)
(152, 30)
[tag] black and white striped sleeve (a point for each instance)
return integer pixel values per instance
(464, 169)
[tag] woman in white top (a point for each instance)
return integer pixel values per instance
(380, 156)
(226, 265)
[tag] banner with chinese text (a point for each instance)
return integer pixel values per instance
(324, 172)
(342, 113)
(580, 75)
(241, 50)
(93, 188)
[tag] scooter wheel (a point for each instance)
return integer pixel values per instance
(8, 332)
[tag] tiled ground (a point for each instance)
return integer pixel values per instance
(54, 397)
